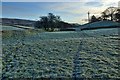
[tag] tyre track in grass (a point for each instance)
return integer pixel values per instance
(77, 69)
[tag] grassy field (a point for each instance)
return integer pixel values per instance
(10, 28)
(36, 54)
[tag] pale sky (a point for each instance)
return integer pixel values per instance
(72, 11)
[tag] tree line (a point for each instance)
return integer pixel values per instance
(111, 13)
(50, 22)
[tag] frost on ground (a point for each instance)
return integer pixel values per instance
(46, 54)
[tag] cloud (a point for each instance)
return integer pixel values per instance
(69, 11)
(109, 3)
(77, 11)
(93, 4)
(74, 8)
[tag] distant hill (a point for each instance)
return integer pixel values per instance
(11, 21)
(30, 23)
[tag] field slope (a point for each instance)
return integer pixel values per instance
(84, 54)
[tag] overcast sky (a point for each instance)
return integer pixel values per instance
(72, 12)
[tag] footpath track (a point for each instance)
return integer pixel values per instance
(77, 69)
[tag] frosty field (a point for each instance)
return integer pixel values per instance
(82, 54)
(10, 28)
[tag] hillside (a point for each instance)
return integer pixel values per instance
(30, 23)
(11, 21)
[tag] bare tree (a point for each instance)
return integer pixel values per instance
(48, 22)
(117, 15)
(109, 13)
(104, 16)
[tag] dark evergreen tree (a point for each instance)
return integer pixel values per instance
(93, 19)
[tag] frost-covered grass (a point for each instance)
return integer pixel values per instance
(51, 54)
(10, 28)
